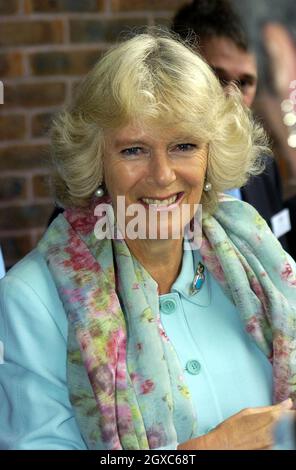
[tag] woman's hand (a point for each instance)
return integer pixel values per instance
(250, 429)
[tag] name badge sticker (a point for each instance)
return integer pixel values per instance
(281, 223)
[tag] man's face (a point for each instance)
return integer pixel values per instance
(231, 64)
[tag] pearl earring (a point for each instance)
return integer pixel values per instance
(207, 186)
(99, 192)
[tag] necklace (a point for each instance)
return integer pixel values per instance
(198, 280)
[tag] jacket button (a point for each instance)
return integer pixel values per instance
(168, 306)
(193, 367)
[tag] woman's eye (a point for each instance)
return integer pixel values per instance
(132, 151)
(186, 147)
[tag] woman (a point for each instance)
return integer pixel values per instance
(139, 341)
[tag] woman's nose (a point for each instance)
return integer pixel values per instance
(161, 171)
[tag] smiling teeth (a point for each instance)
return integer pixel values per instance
(160, 202)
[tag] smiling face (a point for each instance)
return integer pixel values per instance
(232, 64)
(155, 168)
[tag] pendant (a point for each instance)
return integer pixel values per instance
(198, 279)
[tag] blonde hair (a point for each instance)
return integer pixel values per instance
(153, 77)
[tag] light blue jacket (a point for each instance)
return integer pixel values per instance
(35, 411)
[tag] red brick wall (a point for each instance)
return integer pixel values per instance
(45, 47)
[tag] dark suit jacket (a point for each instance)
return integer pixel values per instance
(264, 192)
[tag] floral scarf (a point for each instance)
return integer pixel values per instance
(125, 381)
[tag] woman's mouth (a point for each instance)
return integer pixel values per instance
(163, 203)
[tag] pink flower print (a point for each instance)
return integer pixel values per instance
(121, 372)
(161, 329)
(124, 419)
(111, 348)
(79, 257)
(257, 288)
(211, 261)
(121, 377)
(75, 295)
(252, 325)
(281, 347)
(164, 336)
(82, 221)
(121, 339)
(147, 387)
(287, 274)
